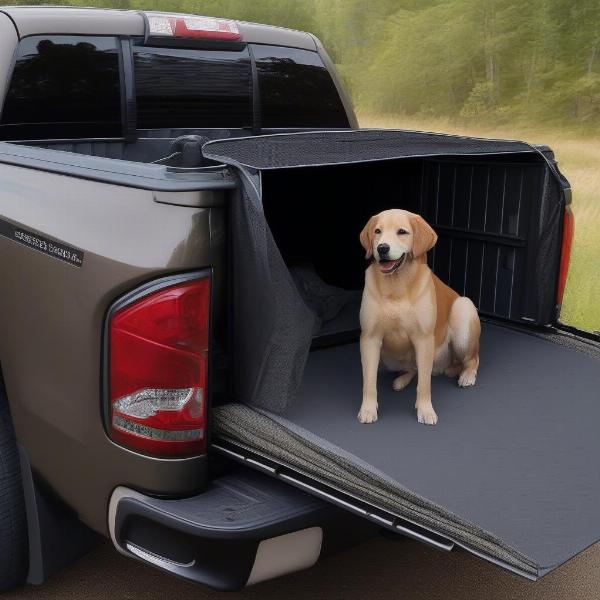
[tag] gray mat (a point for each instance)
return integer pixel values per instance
(509, 471)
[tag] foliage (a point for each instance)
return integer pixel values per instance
(497, 60)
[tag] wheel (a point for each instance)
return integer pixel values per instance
(13, 524)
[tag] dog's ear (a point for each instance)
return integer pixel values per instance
(424, 237)
(366, 237)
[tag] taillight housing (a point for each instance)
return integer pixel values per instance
(163, 25)
(565, 253)
(158, 370)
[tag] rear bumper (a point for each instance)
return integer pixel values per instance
(244, 529)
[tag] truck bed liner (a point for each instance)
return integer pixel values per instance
(509, 471)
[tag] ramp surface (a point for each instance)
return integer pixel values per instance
(510, 471)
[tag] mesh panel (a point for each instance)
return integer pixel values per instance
(338, 147)
(272, 324)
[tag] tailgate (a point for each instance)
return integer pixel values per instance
(506, 473)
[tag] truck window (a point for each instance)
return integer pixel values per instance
(192, 88)
(296, 90)
(63, 87)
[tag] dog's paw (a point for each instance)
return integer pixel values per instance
(367, 414)
(467, 378)
(426, 415)
(402, 381)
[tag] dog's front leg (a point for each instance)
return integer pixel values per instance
(424, 350)
(370, 351)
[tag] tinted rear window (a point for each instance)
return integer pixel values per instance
(296, 90)
(63, 87)
(179, 88)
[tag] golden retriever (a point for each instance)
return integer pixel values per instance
(409, 319)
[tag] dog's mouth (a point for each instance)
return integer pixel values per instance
(389, 266)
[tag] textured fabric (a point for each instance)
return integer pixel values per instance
(343, 147)
(508, 472)
(326, 301)
(274, 326)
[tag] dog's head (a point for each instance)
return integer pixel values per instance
(394, 236)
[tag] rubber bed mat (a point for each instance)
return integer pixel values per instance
(509, 472)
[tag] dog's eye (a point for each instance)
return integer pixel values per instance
(378, 231)
(401, 232)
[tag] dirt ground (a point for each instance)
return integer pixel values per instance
(380, 568)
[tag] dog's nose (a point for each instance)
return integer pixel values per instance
(383, 249)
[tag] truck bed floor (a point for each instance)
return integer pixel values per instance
(510, 471)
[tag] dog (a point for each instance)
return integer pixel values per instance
(410, 320)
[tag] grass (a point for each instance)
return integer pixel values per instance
(579, 160)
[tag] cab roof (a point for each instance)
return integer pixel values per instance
(34, 20)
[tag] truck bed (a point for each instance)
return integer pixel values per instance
(509, 471)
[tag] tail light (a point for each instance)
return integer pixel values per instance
(565, 253)
(158, 366)
(190, 26)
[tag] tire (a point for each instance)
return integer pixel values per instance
(13, 523)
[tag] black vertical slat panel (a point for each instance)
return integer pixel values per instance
(412, 177)
(467, 200)
(415, 186)
(495, 203)
(515, 298)
(431, 182)
(429, 196)
(517, 226)
(474, 263)
(442, 258)
(504, 281)
(445, 194)
(458, 266)
(488, 278)
(422, 187)
(530, 195)
(528, 228)
(511, 225)
(401, 192)
(512, 199)
(404, 192)
(462, 195)
(442, 215)
(478, 198)
(495, 189)
(485, 202)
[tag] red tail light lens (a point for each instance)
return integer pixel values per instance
(565, 253)
(158, 371)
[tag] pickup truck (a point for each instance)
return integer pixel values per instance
(180, 203)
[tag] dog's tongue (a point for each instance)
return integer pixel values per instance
(386, 267)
